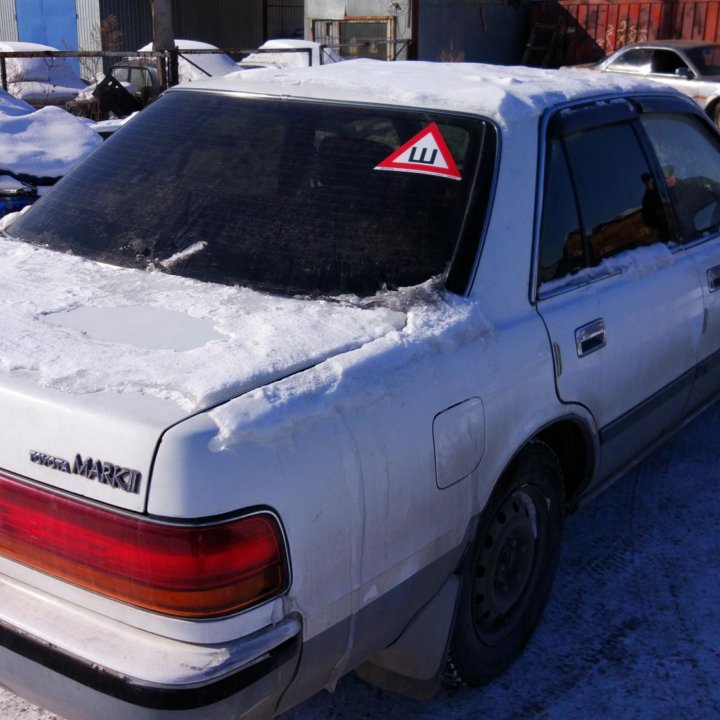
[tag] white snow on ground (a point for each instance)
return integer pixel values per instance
(632, 629)
(44, 143)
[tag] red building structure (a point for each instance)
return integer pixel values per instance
(576, 32)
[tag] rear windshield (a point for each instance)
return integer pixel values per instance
(283, 196)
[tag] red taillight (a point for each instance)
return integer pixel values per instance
(182, 570)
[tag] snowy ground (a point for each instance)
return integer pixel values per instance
(633, 626)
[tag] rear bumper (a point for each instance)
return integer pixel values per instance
(161, 678)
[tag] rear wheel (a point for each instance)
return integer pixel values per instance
(511, 568)
(715, 113)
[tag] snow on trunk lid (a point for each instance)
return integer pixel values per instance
(97, 361)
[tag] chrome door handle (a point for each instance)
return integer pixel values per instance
(590, 337)
(713, 278)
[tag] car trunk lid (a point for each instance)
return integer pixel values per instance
(97, 361)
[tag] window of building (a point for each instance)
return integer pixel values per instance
(369, 37)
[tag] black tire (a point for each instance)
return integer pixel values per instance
(509, 572)
(715, 113)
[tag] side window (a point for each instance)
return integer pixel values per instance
(561, 245)
(666, 62)
(139, 77)
(637, 61)
(689, 153)
(120, 74)
(593, 200)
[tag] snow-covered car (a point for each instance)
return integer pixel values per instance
(691, 66)
(326, 409)
(37, 147)
(41, 80)
(141, 72)
(290, 53)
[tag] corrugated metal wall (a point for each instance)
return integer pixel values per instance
(134, 21)
(285, 18)
(8, 23)
(225, 23)
(88, 24)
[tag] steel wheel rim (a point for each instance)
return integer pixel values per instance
(507, 562)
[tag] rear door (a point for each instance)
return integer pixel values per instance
(623, 308)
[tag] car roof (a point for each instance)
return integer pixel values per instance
(499, 92)
(181, 44)
(319, 53)
(679, 44)
(14, 46)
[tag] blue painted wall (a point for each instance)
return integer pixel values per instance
(50, 22)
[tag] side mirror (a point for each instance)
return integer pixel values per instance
(684, 72)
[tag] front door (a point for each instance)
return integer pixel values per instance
(685, 144)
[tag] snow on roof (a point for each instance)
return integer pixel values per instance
(495, 91)
(201, 65)
(298, 58)
(14, 46)
(44, 143)
(55, 70)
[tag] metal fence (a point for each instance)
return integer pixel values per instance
(589, 31)
(50, 77)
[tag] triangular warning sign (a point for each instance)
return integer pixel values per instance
(427, 153)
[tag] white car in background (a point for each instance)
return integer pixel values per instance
(690, 66)
(301, 371)
(198, 65)
(41, 80)
(291, 53)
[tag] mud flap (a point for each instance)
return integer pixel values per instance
(413, 665)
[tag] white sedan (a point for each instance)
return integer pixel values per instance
(301, 371)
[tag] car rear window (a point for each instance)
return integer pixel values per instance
(284, 196)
